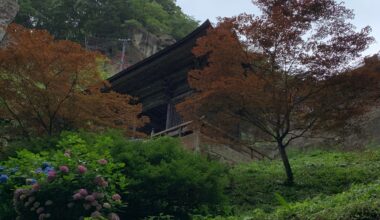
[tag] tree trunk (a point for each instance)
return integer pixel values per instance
(285, 160)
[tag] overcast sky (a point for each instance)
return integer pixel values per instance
(366, 13)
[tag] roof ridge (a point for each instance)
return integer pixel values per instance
(120, 74)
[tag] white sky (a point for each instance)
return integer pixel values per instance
(366, 13)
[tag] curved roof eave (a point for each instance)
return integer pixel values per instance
(204, 26)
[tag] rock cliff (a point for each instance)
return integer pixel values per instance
(138, 45)
(8, 10)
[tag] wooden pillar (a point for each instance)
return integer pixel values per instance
(168, 115)
(197, 140)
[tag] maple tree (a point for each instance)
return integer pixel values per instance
(281, 75)
(49, 85)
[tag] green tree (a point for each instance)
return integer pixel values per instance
(75, 19)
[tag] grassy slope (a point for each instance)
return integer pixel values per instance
(325, 183)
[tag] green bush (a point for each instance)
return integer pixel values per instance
(166, 179)
(81, 181)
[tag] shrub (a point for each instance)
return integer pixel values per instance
(166, 179)
(81, 181)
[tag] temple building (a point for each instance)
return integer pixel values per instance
(160, 82)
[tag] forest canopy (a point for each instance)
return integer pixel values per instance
(76, 19)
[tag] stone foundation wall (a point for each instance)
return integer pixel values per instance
(224, 153)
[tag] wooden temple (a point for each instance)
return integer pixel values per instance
(160, 82)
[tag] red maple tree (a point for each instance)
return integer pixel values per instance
(281, 75)
(49, 85)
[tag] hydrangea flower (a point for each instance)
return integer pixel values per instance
(2, 168)
(45, 165)
(46, 170)
(107, 205)
(102, 161)
(113, 216)
(31, 181)
(96, 214)
(100, 181)
(48, 202)
(51, 175)
(116, 197)
(77, 196)
(40, 210)
(64, 169)
(83, 192)
(38, 170)
(90, 198)
(3, 178)
(82, 169)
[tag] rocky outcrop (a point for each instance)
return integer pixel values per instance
(8, 10)
(139, 44)
(144, 44)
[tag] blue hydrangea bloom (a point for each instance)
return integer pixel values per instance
(31, 181)
(3, 178)
(45, 165)
(38, 170)
(2, 168)
(47, 170)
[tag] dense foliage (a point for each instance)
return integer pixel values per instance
(84, 182)
(74, 19)
(161, 178)
(317, 173)
(360, 202)
(165, 178)
(329, 185)
(49, 85)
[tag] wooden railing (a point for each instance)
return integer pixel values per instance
(177, 130)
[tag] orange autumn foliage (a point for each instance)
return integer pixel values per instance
(49, 85)
(281, 75)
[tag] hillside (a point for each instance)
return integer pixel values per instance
(329, 185)
(143, 27)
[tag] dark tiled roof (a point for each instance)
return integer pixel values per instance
(161, 53)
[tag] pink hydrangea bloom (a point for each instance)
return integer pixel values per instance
(51, 175)
(82, 169)
(90, 198)
(113, 216)
(116, 197)
(96, 214)
(39, 210)
(100, 181)
(102, 161)
(64, 169)
(83, 192)
(77, 196)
